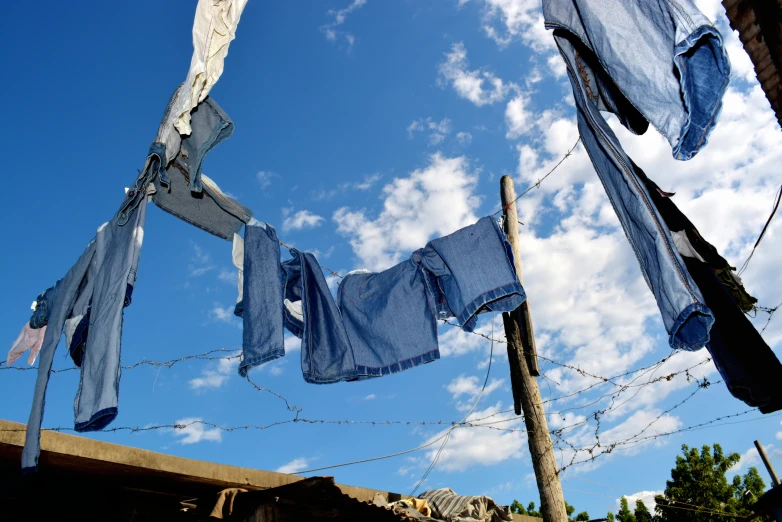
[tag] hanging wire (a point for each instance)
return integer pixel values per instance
(763, 232)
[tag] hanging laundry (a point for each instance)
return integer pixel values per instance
(381, 323)
(208, 209)
(237, 258)
(447, 505)
(42, 307)
(214, 28)
(29, 339)
(262, 336)
(673, 77)
(311, 314)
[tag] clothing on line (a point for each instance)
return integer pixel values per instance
(29, 339)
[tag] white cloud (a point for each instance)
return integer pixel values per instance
(301, 220)
(470, 387)
(370, 397)
(438, 130)
(435, 200)
(338, 18)
(517, 117)
(751, 458)
(194, 431)
(200, 262)
(217, 375)
(223, 314)
(294, 466)
(779, 433)
(647, 497)
(265, 178)
(464, 137)
(369, 181)
(507, 20)
(478, 86)
(228, 275)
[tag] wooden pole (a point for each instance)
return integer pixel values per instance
(767, 463)
(521, 345)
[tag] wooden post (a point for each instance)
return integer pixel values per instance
(767, 463)
(521, 346)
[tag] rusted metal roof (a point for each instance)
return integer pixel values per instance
(759, 23)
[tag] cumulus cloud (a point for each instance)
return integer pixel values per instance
(647, 497)
(470, 388)
(478, 86)
(464, 137)
(300, 220)
(517, 116)
(294, 466)
(432, 201)
(217, 375)
(223, 314)
(195, 431)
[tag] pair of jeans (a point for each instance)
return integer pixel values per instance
(43, 303)
(113, 270)
(686, 317)
(60, 308)
(191, 195)
(262, 301)
(748, 366)
(664, 56)
(474, 271)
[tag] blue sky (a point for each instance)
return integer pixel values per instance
(360, 141)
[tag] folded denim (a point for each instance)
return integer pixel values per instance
(154, 170)
(390, 319)
(208, 208)
(326, 351)
(262, 336)
(60, 307)
(665, 58)
(42, 307)
(115, 267)
(474, 271)
(748, 366)
(685, 315)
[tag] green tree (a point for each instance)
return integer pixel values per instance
(610, 517)
(699, 490)
(625, 515)
(582, 517)
(518, 508)
(642, 513)
(569, 509)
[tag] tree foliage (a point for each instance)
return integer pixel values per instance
(642, 513)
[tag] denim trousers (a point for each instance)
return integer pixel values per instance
(60, 306)
(686, 317)
(189, 194)
(326, 351)
(115, 266)
(262, 303)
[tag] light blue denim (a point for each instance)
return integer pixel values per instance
(43, 303)
(59, 308)
(685, 316)
(390, 319)
(154, 169)
(262, 336)
(664, 56)
(326, 352)
(474, 272)
(192, 196)
(115, 266)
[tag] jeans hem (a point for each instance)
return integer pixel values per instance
(687, 314)
(252, 362)
(369, 371)
(98, 420)
(489, 297)
(311, 378)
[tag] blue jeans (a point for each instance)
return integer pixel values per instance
(390, 319)
(192, 196)
(326, 351)
(686, 317)
(59, 309)
(43, 303)
(664, 58)
(262, 337)
(474, 272)
(114, 268)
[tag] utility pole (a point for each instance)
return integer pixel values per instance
(523, 368)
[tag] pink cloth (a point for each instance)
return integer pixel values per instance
(29, 339)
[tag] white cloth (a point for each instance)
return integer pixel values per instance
(237, 256)
(683, 245)
(213, 29)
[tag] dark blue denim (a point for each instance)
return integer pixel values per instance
(474, 272)
(59, 308)
(685, 315)
(390, 319)
(154, 169)
(192, 196)
(78, 342)
(40, 316)
(262, 337)
(326, 352)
